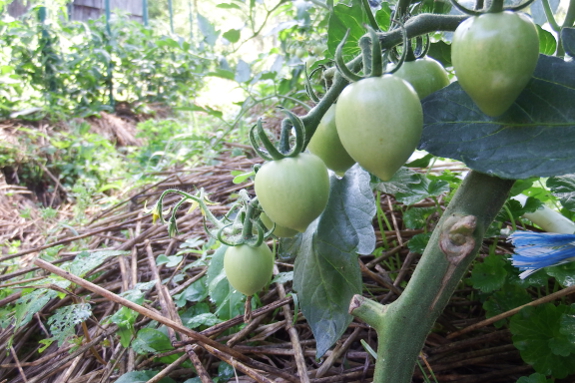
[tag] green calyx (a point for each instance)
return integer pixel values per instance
(371, 55)
(272, 153)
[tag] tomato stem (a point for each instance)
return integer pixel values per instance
(496, 6)
(403, 325)
(376, 62)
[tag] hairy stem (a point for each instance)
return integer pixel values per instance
(403, 325)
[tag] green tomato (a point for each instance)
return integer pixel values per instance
(293, 191)
(325, 144)
(248, 268)
(494, 56)
(279, 231)
(425, 75)
(379, 121)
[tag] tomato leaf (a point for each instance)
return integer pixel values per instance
(568, 40)
(564, 188)
(441, 52)
(326, 271)
(547, 42)
(410, 187)
(342, 18)
(534, 138)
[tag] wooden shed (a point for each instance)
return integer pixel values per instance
(83, 10)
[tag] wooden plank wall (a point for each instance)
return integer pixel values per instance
(83, 10)
(18, 8)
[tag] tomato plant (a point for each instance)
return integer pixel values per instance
(248, 268)
(379, 121)
(494, 56)
(425, 75)
(325, 143)
(293, 191)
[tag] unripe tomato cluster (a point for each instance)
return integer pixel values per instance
(377, 122)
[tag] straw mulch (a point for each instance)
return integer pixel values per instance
(271, 348)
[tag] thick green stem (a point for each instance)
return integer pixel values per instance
(403, 325)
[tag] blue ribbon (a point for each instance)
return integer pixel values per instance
(534, 251)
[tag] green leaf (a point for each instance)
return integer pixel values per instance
(241, 176)
(221, 73)
(489, 275)
(196, 108)
(151, 340)
(383, 16)
(416, 218)
(243, 71)
(418, 242)
(326, 271)
(534, 138)
(170, 260)
(196, 292)
(568, 40)
(31, 303)
(422, 162)
(233, 35)
(401, 182)
(508, 298)
(87, 261)
(410, 187)
(228, 301)
(63, 322)
(567, 326)
(564, 274)
(563, 187)
(228, 6)
(424, 189)
(208, 30)
(534, 378)
(283, 277)
(536, 334)
(142, 377)
(342, 18)
(441, 52)
(206, 319)
(547, 42)
(434, 6)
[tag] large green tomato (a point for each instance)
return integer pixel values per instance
(293, 191)
(379, 121)
(494, 56)
(248, 268)
(325, 144)
(425, 75)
